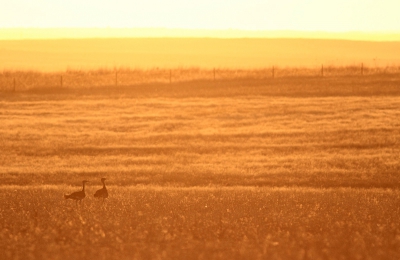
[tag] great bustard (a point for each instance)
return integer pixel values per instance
(102, 193)
(78, 195)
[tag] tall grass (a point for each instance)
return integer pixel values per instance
(243, 168)
(200, 223)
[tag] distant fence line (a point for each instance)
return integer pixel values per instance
(25, 80)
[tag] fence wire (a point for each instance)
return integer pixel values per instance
(25, 80)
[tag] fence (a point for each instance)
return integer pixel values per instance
(25, 80)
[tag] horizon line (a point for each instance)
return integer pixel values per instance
(30, 33)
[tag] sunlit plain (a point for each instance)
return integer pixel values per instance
(286, 168)
(254, 132)
(201, 223)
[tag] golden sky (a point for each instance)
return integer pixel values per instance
(254, 15)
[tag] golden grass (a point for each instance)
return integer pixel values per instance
(303, 132)
(200, 223)
(290, 168)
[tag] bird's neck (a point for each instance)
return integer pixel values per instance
(104, 184)
(83, 187)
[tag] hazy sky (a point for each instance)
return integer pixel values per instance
(308, 15)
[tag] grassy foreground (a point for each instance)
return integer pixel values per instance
(201, 223)
(291, 168)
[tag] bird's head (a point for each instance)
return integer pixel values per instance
(85, 181)
(103, 179)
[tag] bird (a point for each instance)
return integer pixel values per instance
(78, 195)
(102, 193)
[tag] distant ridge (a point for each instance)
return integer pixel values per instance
(81, 33)
(62, 54)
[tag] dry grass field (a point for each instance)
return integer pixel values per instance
(248, 168)
(145, 222)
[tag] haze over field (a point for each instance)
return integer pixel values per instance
(59, 55)
(239, 34)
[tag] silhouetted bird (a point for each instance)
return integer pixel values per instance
(102, 193)
(78, 195)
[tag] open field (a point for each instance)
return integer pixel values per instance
(286, 168)
(319, 132)
(201, 223)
